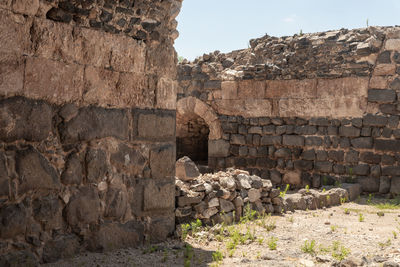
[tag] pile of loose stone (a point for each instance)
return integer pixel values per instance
(224, 196)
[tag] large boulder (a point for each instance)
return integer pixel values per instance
(186, 169)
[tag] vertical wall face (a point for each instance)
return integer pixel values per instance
(87, 125)
(312, 109)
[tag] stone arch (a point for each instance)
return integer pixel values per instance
(190, 107)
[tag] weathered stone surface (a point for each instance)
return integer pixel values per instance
(47, 210)
(384, 185)
(218, 148)
(229, 90)
(291, 88)
(362, 142)
(65, 81)
(95, 123)
(353, 190)
(96, 165)
(148, 122)
(292, 178)
(4, 186)
(84, 207)
(117, 202)
(162, 162)
(369, 184)
(254, 195)
(349, 131)
(60, 248)
(391, 170)
(21, 118)
(113, 236)
(13, 220)
(35, 172)
(395, 185)
(130, 159)
(159, 196)
(186, 169)
(73, 172)
(226, 206)
(381, 96)
(249, 89)
(293, 140)
(19, 258)
(387, 145)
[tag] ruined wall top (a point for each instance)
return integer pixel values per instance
(332, 54)
(106, 53)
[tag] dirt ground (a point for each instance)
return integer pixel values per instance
(354, 233)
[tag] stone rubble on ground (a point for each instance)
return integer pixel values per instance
(223, 196)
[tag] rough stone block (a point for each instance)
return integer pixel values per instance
(251, 89)
(303, 165)
(159, 196)
(395, 185)
(48, 211)
(24, 119)
(229, 90)
(387, 145)
(385, 69)
(155, 125)
(56, 41)
(375, 120)
(323, 166)
(218, 148)
(293, 140)
(83, 207)
(100, 85)
(392, 44)
(313, 141)
(381, 96)
(162, 162)
(96, 165)
(112, 236)
(127, 54)
(349, 131)
(19, 258)
(132, 160)
(271, 140)
(378, 82)
(95, 123)
(244, 107)
(292, 178)
(161, 227)
(237, 139)
(14, 220)
(391, 171)
(4, 186)
(291, 88)
(166, 93)
(35, 172)
(342, 87)
(370, 157)
(186, 169)
(60, 248)
(53, 81)
(362, 142)
(384, 185)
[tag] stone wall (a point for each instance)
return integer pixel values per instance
(311, 109)
(87, 126)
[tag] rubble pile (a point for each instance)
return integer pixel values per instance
(225, 195)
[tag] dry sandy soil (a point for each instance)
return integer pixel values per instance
(369, 239)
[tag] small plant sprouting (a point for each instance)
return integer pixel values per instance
(333, 228)
(370, 197)
(188, 255)
(361, 217)
(339, 252)
(272, 243)
(217, 257)
(343, 200)
(388, 243)
(394, 234)
(301, 32)
(185, 230)
(346, 211)
(307, 188)
(308, 247)
(283, 193)
(367, 22)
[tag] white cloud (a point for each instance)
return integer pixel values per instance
(290, 19)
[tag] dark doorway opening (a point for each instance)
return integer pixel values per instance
(192, 139)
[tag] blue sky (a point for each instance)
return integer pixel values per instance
(226, 25)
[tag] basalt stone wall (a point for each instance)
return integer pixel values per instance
(311, 109)
(87, 126)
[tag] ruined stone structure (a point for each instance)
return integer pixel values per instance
(87, 126)
(311, 109)
(90, 118)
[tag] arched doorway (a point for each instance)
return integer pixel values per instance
(196, 125)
